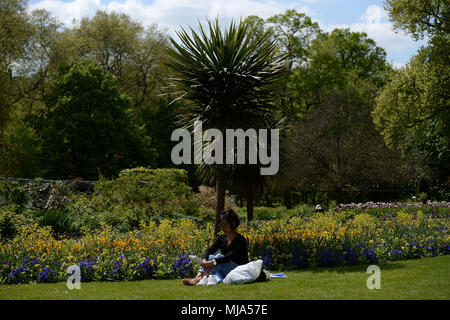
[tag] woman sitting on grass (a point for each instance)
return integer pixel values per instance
(233, 251)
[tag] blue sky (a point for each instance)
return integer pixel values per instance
(359, 15)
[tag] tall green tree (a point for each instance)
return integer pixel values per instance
(14, 35)
(338, 147)
(333, 56)
(295, 31)
(124, 48)
(86, 126)
(38, 63)
(259, 25)
(420, 17)
(32, 70)
(160, 121)
(14, 30)
(413, 110)
(225, 80)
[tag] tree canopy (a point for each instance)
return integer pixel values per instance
(413, 109)
(86, 127)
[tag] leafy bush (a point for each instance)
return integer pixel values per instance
(10, 220)
(8, 223)
(43, 202)
(36, 194)
(12, 193)
(157, 184)
(205, 214)
(165, 190)
(138, 195)
(61, 221)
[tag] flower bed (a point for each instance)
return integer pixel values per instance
(430, 208)
(334, 239)
(160, 251)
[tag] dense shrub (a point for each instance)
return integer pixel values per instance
(164, 190)
(12, 193)
(61, 221)
(37, 194)
(137, 195)
(153, 184)
(120, 218)
(10, 220)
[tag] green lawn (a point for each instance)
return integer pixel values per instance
(427, 278)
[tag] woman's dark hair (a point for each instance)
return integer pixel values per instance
(230, 216)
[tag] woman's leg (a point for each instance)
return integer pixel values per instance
(201, 273)
(195, 280)
(220, 271)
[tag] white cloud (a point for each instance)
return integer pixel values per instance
(398, 65)
(376, 24)
(66, 11)
(170, 14)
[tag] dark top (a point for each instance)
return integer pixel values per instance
(236, 252)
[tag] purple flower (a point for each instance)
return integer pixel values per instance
(268, 259)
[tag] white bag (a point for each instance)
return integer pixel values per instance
(244, 273)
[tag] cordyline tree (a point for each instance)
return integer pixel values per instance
(226, 81)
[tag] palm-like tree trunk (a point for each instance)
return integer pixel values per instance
(339, 194)
(250, 203)
(288, 198)
(220, 196)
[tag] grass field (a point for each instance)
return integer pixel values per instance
(427, 278)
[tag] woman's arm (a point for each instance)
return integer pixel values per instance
(212, 249)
